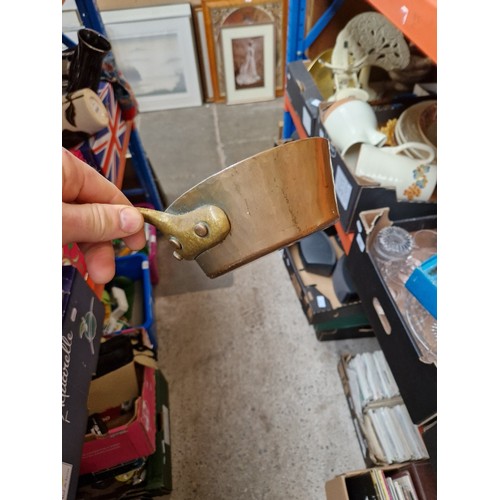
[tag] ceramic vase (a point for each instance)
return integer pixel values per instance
(86, 63)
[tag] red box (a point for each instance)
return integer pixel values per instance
(136, 438)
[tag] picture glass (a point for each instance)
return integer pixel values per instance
(221, 15)
(248, 61)
(152, 67)
(156, 55)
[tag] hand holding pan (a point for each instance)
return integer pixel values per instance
(256, 206)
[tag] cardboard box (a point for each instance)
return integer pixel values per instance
(159, 465)
(145, 478)
(304, 95)
(319, 302)
(326, 333)
(357, 481)
(429, 435)
(417, 381)
(354, 194)
(357, 484)
(82, 321)
(369, 444)
(357, 194)
(133, 438)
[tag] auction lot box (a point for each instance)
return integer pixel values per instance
(131, 434)
(357, 194)
(331, 318)
(368, 443)
(359, 483)
(304, 95)
(143, 477)
(354, 194)
(416, 379)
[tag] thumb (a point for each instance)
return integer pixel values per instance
(95, 222)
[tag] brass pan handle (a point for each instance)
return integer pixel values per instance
(193, 232)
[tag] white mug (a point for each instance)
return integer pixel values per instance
(87, 114)
(351, 121)
(414, 179)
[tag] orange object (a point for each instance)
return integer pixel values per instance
(295, 118)
(72, 255)
(345, 238)
(417, 19)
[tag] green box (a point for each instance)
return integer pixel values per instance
(159, 464)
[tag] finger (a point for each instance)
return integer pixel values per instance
(136, 241)
(83, 184)
(94, 222)
(100, 261)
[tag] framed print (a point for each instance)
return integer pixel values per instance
(204, 61)
(220, 14)
(155, 50)
(248, 54)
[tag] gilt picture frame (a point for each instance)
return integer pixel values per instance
(203, 58)
(221, 14)
(248, 58)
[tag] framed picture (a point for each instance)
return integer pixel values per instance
(221, 14)
(204, 61)
(155, 50)
(248, 53)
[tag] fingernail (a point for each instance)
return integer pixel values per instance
(130, 220)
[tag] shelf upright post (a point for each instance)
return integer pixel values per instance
(92, 19)
(295, 34)
(321, 24)
(298, 42)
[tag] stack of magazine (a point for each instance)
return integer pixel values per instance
(399, 486)
(411, 481)
(391, 435)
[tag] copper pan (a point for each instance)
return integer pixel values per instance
(254, 207)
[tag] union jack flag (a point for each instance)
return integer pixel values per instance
(107, 144)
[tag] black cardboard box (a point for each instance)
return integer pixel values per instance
(357, 194)
(304, 95)
(429, 435)
(417, 381)
(330, 318)
(354, 194)
(324, 332)
(82, 323)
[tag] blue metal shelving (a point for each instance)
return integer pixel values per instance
(91, 18)
(298, 41)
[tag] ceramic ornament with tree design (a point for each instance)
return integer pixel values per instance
(367, 40)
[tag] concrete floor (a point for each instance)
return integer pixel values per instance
(257, 409)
